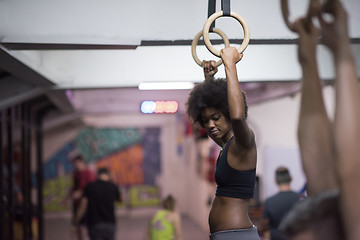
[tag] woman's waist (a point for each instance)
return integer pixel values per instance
(229, 213)
(231, 203)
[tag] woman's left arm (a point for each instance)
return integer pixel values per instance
(243, 135)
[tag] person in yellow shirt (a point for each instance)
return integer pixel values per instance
(166, 223)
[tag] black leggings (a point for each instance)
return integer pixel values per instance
(236, 234)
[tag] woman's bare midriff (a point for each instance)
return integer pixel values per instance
(229, 213)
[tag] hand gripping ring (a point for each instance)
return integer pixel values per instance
(314, 7)
(212, 18)
(196, 40)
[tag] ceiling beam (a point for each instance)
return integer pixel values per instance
(61, 119)
(21, 71)
(31, 82)
(60, 99)
(64, 46)
(144, 43)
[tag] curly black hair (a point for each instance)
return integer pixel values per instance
(209, 94)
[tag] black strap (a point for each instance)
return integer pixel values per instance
(211, 10)
(225, 7)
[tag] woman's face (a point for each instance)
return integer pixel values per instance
(215, 123)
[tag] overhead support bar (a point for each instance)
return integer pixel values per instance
(225, 7)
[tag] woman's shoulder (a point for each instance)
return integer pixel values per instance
(242, 158)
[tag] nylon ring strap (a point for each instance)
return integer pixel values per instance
(211, 10)
(225, 7)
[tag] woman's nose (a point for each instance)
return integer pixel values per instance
(211, 124)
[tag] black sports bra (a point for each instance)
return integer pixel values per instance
(231, 182)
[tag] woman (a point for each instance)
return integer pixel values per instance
(166, 224)
(219, 106)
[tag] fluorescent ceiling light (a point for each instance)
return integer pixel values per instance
(165, 85)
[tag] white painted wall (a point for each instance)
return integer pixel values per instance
(55, 139)
(275, 125)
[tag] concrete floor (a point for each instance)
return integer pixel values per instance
(131, 225)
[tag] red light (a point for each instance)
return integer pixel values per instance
(166, 107)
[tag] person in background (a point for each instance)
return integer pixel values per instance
(330, 151)
(81, 177)
(166, 223)
(277, 206)
(98, 201)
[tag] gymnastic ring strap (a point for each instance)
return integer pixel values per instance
(212, 18)
(196, 40)
(225, 7)
(211, 10)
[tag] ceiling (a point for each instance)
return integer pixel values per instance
(102, 50)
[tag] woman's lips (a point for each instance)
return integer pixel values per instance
(214, 132)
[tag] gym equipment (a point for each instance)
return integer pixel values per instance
(216, 15)
(196, 40)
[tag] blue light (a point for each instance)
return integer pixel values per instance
(148, 107)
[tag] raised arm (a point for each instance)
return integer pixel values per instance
(243, 135)
(210, 69)
(314, 127)
(347, 116)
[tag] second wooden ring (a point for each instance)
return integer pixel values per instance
(196, 40)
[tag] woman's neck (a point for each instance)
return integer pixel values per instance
(226, 138)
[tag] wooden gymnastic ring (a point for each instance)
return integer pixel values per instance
(285, 14)
(212, 18)
(196, 40)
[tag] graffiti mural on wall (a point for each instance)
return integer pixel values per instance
(94, 143)
(126, 166)
(131, 154)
